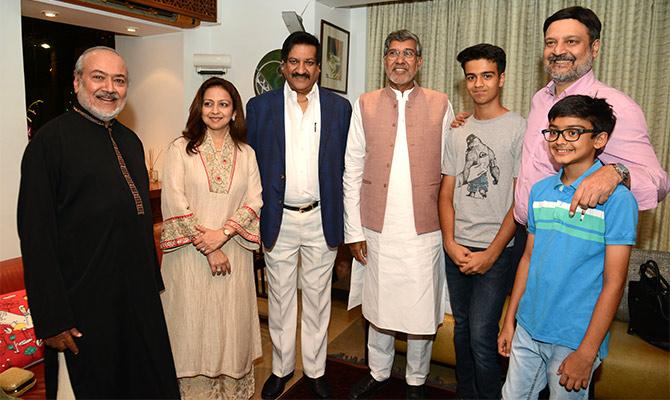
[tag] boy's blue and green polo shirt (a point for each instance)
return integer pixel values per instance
(565, 276)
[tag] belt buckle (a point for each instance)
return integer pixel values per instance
(308, 207)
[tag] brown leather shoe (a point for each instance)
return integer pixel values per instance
(366, 387)
(274, 386)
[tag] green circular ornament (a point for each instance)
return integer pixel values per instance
(268, 75)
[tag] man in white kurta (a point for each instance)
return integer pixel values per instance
(402, 282)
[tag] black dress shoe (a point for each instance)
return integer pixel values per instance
(366, 387)
(274, 386)
(319, 386)
(415, 392)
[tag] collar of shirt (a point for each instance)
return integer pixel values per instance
(581, 85)
(78, 108)
(302, 134)
(292, 96)
(558, 184)
(403, 95)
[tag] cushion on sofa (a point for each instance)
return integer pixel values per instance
(18, 345)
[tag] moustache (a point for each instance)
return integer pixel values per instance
(299, 75)
(562, 57)
(105, 95)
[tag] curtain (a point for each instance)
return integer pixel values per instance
(634, 54)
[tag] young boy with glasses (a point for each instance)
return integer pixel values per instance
(572, 274)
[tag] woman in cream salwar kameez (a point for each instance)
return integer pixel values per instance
(211, 197)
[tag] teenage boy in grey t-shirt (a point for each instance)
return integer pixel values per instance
(480, 164)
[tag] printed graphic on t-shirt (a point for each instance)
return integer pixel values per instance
(480, 163)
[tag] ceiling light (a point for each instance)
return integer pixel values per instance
(45, 46)
(131, 29)
(50, 13)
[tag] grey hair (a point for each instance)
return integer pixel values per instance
(400, 36)
(79, 65)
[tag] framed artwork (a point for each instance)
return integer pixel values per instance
(334, 57)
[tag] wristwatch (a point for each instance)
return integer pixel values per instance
(623, 173)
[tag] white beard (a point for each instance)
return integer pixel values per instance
(85, 101)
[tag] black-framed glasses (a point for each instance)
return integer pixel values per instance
(569, 134)
(408, 54)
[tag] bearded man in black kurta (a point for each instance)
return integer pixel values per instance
(85, 226)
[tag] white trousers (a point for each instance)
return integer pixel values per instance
(381, 350)
(64, 391)
(301, 235)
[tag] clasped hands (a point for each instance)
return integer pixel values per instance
(469, 262)
(209, 243)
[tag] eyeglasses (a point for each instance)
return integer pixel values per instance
(408, 54)
(569, 134)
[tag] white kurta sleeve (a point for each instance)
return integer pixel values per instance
(446, 127)
(354, 162)
(179, 221)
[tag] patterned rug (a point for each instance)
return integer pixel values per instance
(343, 375)
(349, 347)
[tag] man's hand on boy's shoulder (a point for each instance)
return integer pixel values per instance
(460, 118)
(575, 371)
(595, 189)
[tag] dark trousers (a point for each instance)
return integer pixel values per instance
(476, 304)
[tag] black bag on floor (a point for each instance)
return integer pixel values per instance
(648, 306)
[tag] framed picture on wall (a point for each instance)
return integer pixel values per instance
(334, 57)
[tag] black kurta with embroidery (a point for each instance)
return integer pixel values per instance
(86, 235)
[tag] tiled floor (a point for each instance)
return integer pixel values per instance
(340, 320)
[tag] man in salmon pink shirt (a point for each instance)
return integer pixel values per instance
(571, 43)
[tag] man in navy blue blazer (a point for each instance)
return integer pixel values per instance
(299, 134)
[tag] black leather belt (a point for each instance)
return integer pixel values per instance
(302, 209)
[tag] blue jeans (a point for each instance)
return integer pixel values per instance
(476, 304)
(533, 365)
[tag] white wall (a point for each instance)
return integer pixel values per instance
(13, 136)
(247, 31)
(155, 108)
(354, 21)
(358, 53)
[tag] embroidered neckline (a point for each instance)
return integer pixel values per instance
(219, 165)
(86, 114)
(139, 206)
